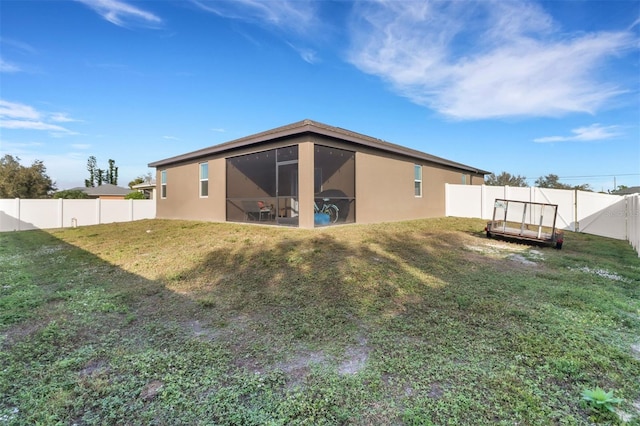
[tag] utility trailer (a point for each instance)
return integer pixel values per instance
(524, 220)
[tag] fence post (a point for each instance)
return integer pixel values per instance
(482, 197)
(576, 225)
(60, 212)
(447, 197)
(636, 221)
(17, 212)
(98, 211)
(131, 210)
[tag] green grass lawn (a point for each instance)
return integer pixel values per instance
(416, 323)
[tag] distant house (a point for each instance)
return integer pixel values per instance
(627, 191)
(105, 191)
(286, 175)
(147, 188)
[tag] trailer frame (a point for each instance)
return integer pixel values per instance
(523, 227)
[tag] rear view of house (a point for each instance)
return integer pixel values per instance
(307, 174)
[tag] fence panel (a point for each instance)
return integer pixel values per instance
(606, 215)
(79, 213)
(143, 210)
(602, 214)
(566, 201)
(467, 201)
(517, 194)
(36, 214)
(115, 211)
(490, 194)
(19, 214)
(9, 214)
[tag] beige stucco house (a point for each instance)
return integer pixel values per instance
(306, 174)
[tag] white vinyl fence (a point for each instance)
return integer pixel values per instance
(23, 214)
(613, 216)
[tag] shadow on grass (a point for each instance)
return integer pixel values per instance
(353, 325)
(83, 341)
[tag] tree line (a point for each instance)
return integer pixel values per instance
(548, 181)
(19, 181)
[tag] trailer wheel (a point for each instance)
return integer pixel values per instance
(488, 234)
(558, 245)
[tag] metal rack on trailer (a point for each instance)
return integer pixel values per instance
(525, 220)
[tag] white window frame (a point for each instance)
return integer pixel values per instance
(201, 179)
(464, 179)
(163, 184)
(417, 180)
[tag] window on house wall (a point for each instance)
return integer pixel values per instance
(163, 184)
(464, 179)
(204, 179)
(417, 184)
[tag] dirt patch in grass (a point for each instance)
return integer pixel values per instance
(355, 357)
(95, 368)
(151, 390)
(636, 350)
(504, 255)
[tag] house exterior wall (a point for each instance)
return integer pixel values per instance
(305, 184)
(384, 184)
(183, 199)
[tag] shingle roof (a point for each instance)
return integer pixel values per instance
(104, 189)
(310, 126)
(628, 191)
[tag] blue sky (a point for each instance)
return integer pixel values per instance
(531, 88)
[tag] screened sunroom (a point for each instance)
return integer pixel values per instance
(264, 186)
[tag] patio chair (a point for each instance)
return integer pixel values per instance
(265, 210)
(256, 210)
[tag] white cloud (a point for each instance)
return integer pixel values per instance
(18, 46)
(476, 60)
(17, 148)
(14, 47)
(8, 66)
(297, 19)
(122, 14)
(82, 146)
(219, 130)
(297, 16)
(595, 132)
(32, 125)
(19, 111)
(307, 55)
(24, 117)
(172, 138)
(61, 117)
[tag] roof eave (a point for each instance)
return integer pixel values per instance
(309, 126)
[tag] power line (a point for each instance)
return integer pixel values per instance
(592, 176)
